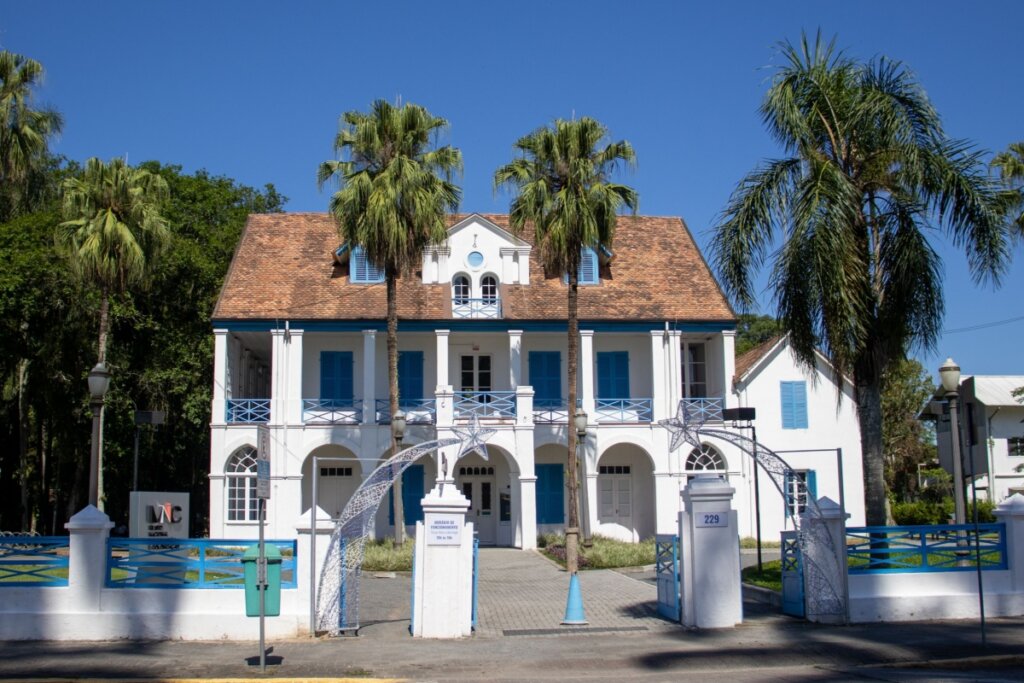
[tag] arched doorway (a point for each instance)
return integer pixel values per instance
(339, 475)
(625, 505)
(487, 485)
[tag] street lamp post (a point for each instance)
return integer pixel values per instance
(398, 433)
(949, 375)
(579, 420)
(99, 382)
(574, 614)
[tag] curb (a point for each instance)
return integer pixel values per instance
(762, 595)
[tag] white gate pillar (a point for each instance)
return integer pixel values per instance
(87, 561)
(824, 563)
(1011, 513)
(709, 544)
(443, 567)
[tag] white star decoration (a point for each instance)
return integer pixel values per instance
(680, 429)
(473, 437)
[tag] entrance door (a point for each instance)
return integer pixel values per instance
(616, 495)
(478, 488)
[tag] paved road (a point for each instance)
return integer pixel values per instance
(519, 639)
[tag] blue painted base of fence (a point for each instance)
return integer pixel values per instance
(574, 615)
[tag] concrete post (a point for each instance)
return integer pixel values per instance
(825, 564)
(445, 406)
(306, 578)
(443, 567)
(659, 374)
(87, 562)
(586, 367)
(524, 508)
(369, 377)
(442, 358)
(709, 541)
(1011, 513)
(278, 377)
(524, 406)
(666, 488)
(220, 377)
(728, 365)
(515, 358)
(293, 393)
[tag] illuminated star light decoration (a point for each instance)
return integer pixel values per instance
(682, 429)
(473, 437)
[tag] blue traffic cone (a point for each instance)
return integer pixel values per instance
(574, 615)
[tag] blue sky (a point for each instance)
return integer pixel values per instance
(253, 90)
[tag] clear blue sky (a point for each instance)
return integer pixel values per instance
(253, 90)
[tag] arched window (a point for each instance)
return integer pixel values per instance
(241, 476)
(705, 458)
(460, 290)
(489, 289)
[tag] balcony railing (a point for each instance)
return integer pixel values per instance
(550, 411)
(332, 411)
(703, 409)
(417, 410)
(484, 404)
(623, 410)
(248, 410)
(487, 309)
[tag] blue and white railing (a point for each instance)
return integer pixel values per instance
(703, 410)
(33, 561)
(248, 410)
(550, 411)
(486, 309)
(623, 410)
(417, 410)
(332, 410)
(484, 404)
(187, 562)
(934, 548)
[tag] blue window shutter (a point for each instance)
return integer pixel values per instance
(811, 481)
(588, 267)
(336, 375)
(546, 378)
(613, 374)
(789, 493)
(794, 405)
(550, 490)
(410, 376)
(412, 496)
(361, 270)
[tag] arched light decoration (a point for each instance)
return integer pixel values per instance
(949, 375)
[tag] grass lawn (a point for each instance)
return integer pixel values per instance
(382, 556)
(605, 553)
(769, 577)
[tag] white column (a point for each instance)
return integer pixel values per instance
(278, 377)
(306, 577)
(443, 590)
(369, 377)
(728, 365)
(442, 358)
(515, 357)
(221, 379)
(294, 371)
(443, 253)
(523, 256)
(593, 502)
(87, 559)
(527, 502)
(674, 375)
(659, 389)
(1011, 513)
(586, 370)
(666, 502)
(509, 270)
(710, 564)
(524, 406)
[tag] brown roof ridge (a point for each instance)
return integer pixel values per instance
(746, 361)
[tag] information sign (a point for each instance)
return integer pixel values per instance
(262, 462)
(444, 531)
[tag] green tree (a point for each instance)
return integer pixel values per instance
(753, 330)
(395, 192)
(1011, 171)
(869, 173)
(562, 186)
(24, 135)
(113, 232)
(906, 441)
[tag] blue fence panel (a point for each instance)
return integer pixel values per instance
(476, 579)
(702, 410)
(187, 562)
(417, 410)
(666, 566)
(332, 410)
(792, 575)
(248, 410)
(623, 410)
(33, 561)
(485, 404)
(931, 548)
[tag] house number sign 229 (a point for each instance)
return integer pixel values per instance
(706, 519)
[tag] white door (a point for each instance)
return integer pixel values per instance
(335, 487)
(615, 485)
(480, 493)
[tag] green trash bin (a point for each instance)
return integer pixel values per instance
(272, 592)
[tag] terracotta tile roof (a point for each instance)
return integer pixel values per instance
(746, 361)
(283, 269)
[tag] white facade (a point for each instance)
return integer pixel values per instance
(478, 363)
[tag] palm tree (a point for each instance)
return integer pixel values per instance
(1011, 171)
(869, 173)
(24, 132)
(113, 232)
(562, 186)
(395, 192)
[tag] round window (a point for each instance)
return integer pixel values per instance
(475, 259)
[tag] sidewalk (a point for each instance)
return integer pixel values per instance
(522, 599)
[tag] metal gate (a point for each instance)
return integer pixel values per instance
(792, 575)
(666, 566)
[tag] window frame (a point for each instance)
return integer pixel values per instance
(240, 484)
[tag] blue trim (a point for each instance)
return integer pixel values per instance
(794, 404)
(549, 492)
(467, 325)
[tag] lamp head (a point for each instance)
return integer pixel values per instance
(949, 375)
(99, 381)
(579, 420)
(398, 426)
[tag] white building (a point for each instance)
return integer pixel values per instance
(993, 434)
(300, 346)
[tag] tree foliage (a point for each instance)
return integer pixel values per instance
(907, 441)
(868, 174)
(752, 330)
(1010, 165)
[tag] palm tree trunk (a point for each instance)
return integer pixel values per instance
(572, 531)
(396, 488)
(102, 353)
(23, 428)
(869, 414)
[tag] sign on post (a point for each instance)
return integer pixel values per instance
(263, 462)
(444, 530)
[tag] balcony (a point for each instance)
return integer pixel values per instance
(703, 410)
(550, 411)
(623, 410)
(248, 410)
(484, 404)
(484, 309)
(418, 411)
(332, 411)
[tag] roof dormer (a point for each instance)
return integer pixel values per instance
(476, 247)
